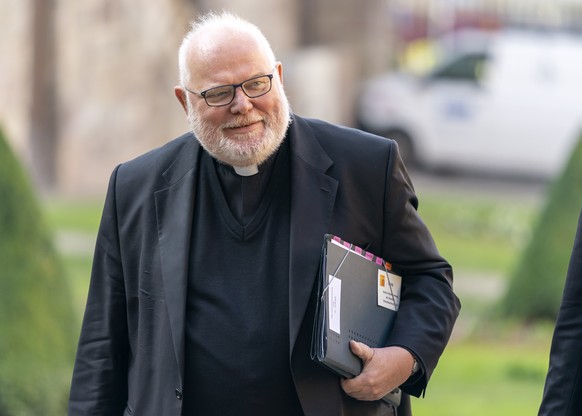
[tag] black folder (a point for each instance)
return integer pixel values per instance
(358, 298)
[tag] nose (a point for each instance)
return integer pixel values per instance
(241, 104)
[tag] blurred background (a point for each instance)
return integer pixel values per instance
(483, 97)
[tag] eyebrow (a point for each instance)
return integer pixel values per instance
(258, 74)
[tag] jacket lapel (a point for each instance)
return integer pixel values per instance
(174, 207)
(312, 199)
(313, 195)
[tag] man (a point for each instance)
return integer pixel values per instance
(563, 389)
(202, 291)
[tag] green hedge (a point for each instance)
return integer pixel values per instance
(37, 323)
(536, 287)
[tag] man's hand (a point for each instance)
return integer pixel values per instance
(383, 370)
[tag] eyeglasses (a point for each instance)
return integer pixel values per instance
(224, 94)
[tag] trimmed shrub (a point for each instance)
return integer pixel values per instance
(535, 289)
(37, 323)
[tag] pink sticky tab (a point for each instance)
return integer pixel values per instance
(346, 244)
(336, 238)
(379, 261)
(358, 250)
(369, 256)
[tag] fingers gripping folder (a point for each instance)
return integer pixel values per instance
(358, 297)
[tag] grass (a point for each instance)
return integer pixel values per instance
(81, 216)
(492, 367)
(489, 367)
(75, 225)
(480, 234)
(477, 377)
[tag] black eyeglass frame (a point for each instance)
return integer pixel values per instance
(235, 86)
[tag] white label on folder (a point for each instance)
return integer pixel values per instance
(334, 291)
(389, 290)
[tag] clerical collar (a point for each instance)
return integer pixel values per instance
(246, 170)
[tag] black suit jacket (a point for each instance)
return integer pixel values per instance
(130, 358)
(563, 388)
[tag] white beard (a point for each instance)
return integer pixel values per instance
(246, 149)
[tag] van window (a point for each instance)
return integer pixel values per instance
(465, 68)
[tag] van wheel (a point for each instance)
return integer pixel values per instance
(405, 146)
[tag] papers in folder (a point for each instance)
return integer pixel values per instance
(358, 298)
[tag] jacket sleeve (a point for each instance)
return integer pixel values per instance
(428, 307)
(99, 384)
(563, 388)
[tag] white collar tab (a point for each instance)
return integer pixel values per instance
(246, 170)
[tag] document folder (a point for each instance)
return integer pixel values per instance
(358, 297)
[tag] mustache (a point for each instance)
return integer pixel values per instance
(241, 122)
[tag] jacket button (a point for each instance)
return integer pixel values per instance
(178, 394)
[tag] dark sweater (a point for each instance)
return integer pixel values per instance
(237, 324)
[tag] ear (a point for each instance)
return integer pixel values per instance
(181, 96)
(279, 69)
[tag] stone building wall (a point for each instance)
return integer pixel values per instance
(116, 77)
(114, 69)
(15, 91)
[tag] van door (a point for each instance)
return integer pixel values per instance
(458, 111)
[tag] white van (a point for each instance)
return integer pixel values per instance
(508, 102)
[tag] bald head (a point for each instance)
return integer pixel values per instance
(211, 36)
